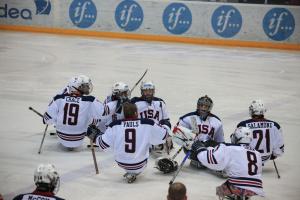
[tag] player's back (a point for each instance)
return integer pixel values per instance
(265, 135)
(74, 113)
(132, 139)
(244, 167)
(31, 196)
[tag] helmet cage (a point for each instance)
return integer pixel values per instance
(147, 90)
(204, 105)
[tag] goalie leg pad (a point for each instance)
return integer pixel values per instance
(166, 165)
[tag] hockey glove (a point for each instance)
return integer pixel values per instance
(166, 165)
(197, 147)
(93, 132)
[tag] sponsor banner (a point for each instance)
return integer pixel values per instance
(245, 22)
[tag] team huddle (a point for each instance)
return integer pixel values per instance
(137, 127)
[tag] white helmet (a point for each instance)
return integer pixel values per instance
(46, 178)
(257, 108)
(241, 135)
(121, 90)
(81, 83)
(147, 85)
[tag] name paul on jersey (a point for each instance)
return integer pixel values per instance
(131, 124)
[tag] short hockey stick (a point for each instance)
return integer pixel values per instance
(180, 167)
(177, 152)
(94, 157)
(278, 176)
(35, 111)
(42, 142)
(39, 114)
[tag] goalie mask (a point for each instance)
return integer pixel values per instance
(241, 135)
(80, 84)
(147, 91)
(204, 106)
(46, 178)
(257, 108)
(166, 165)
(121, 91)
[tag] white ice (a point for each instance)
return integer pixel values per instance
(34, 67)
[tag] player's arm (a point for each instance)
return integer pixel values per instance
(219, 135)
(50, 116)
(185, 122)
(278, 147)
(158, 134)
(214, 158)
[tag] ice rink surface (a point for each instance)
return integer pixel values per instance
(34, 67)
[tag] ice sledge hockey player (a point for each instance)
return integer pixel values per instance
(207, 126)
(130, 140)
(71, 113)
(154, 108)
(46, 179)
(241, 163)
(267, 134)
(113, 105)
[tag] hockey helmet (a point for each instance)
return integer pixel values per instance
(257, 108)
(46, 178)
(121, 91)
(81, 84)
(241, 135)
(147, 90)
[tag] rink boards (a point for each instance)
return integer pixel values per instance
(247, 25)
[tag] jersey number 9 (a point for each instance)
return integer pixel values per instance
(130, 140)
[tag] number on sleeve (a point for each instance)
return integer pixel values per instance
(130, 140)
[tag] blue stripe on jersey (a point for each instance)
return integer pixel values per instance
(117, 122)
(243, 181)
(132, 166)
(88, 98)
(147, 121)
(243, 123)
(189, 114)
(59, 96)
(138, 99)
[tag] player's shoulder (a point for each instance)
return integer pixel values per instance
(58, 198)
(136, 99)
(147, 121)
(214, 116)
(19, 197)
(89, 98)
(115, 123)
(275, 123)
(158, 99)
(188, 115)
(59, 96)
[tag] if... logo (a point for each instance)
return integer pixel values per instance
(226, 21)
(129, 15)
(43, 7)
(279, 24)
(177, 18)
(83, 13)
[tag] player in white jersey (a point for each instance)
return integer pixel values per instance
(130, 140)
(71, 113)
(154, 108)
(113, 107)
(239, 162)
(207, 126)
(47, 181)
(267, 134)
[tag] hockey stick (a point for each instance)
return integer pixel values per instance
(139, 80)
(177, 152)
(132, 89)
(278, 176)
(39, 114)
(180, 167)
(42, 142)
(35, 111)
(94, 157)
